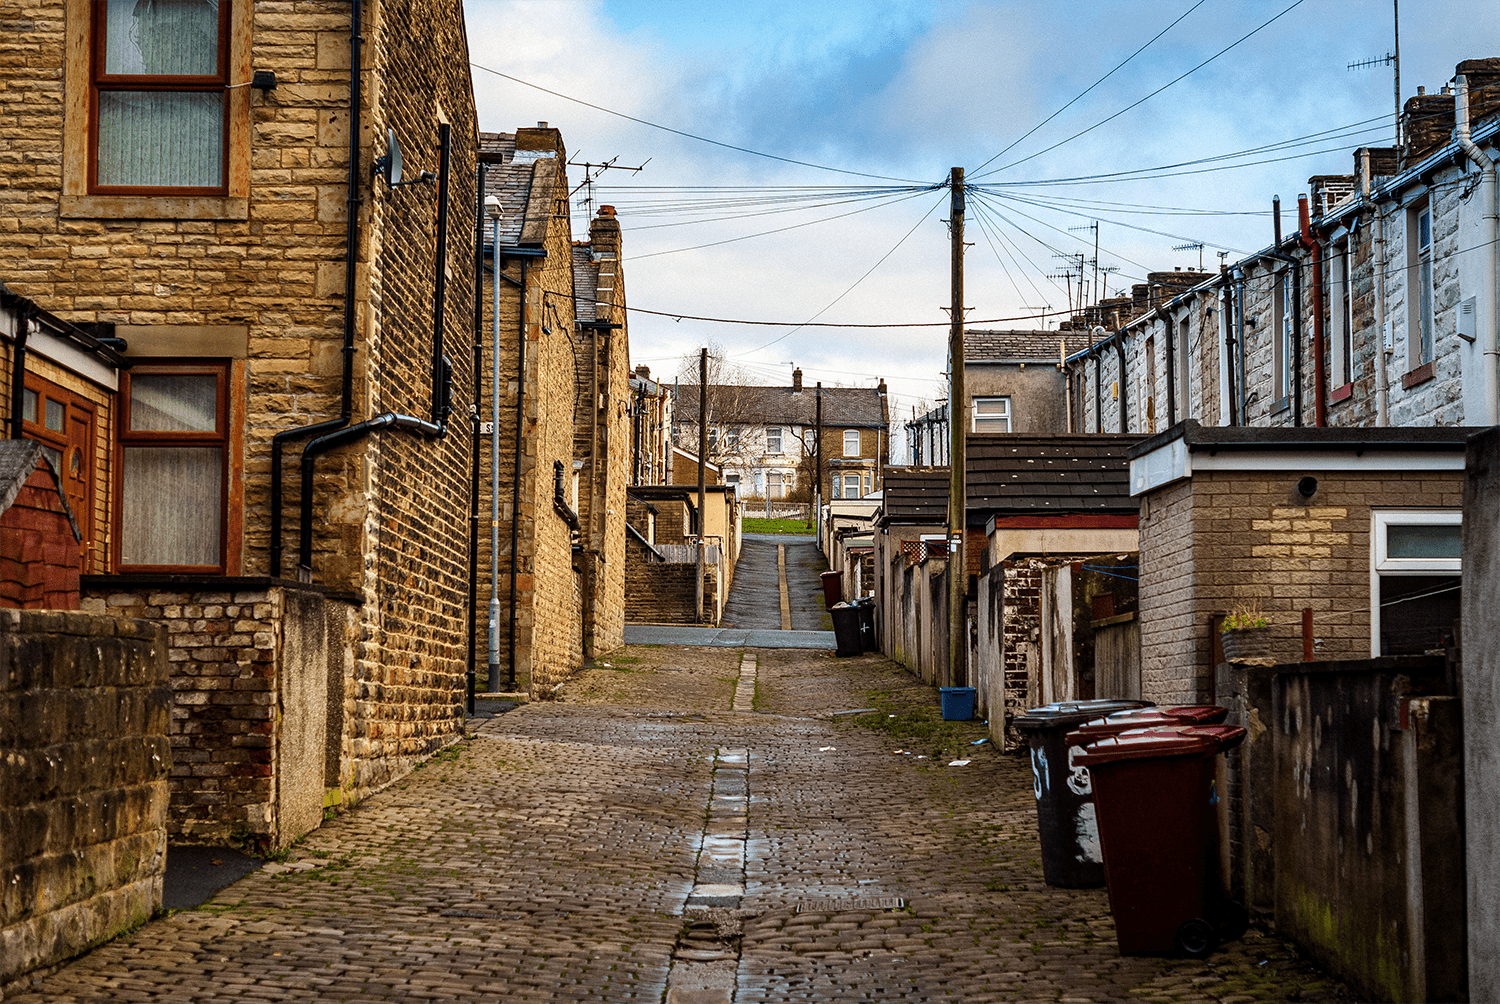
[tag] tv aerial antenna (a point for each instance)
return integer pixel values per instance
(1391, 59)
(591, 174)
(1192, 246)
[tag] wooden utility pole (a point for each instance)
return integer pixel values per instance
(702, 471)
(958, 566)
(816, 509)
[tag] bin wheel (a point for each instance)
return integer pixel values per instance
(1232, 921)
(1196, 937)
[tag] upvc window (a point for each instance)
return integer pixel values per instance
(159, 95)
(773, 441)
(851, 486)
(1415, 575)
(991, 414)
(1341, 313)
(851, 442)
(174, 446)
(1282, 306)
(1419, 294)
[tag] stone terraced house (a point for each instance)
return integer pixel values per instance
(255, 370)
(561, 321)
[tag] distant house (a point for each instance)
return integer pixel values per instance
(766, 438)
(1013, 383)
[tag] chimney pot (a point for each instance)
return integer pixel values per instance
(541, 125)
(1421, 91)
(606, 210)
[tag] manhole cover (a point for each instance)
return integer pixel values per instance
(850, 905)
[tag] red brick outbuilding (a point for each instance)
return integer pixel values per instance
(39, 538)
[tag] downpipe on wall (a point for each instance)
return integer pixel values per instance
(1489, 318)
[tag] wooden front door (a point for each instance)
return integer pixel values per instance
(66, 426)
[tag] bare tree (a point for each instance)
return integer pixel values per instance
(736, 433)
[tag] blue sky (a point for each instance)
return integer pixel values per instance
(905, 91)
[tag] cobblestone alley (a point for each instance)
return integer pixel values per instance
(555, 855)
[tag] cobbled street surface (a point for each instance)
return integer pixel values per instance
(549, 857)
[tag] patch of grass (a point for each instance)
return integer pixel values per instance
(920, 727)
(750, 524)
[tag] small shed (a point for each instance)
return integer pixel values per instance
(39, 537)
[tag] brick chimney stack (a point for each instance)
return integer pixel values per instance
(604, 233)
(796, 381)
(541, 139)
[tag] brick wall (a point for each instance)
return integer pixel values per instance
(250, 711)
(663, 593)
(38, 551)
(83, 782)
(1020, 640)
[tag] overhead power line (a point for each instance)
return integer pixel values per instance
(1135, 104)
(1081, 94)
(688, 135)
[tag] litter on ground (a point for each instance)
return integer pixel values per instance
(957, 763)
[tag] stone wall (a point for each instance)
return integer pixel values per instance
(250, 710)
(84, 758)
(1020, 641)
(666, 593)
(1169, 674)
(1227, 539)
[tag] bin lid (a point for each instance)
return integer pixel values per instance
(1143, 718)
(1065, 714)
(1161, 742)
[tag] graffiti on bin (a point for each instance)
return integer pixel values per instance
(1089, 851)
(1079, 782)
(1039, 770)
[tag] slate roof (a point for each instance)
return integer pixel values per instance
(585, 283)
(510, 181)
(1021, 475)
(1027, 346)
(852, 407)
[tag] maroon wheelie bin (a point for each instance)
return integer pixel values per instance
(1146, 718)
(1156, 800)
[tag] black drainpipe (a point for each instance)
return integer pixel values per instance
(474, 423)
(442, 374)
(351, 236)
(1296, 307)
(18, 375)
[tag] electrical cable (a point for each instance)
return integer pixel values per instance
(1293, 6)
(688, 135)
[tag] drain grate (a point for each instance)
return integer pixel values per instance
(871, 903)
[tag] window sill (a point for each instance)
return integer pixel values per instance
(154, 207)
(1420, 375)
(1340, 394)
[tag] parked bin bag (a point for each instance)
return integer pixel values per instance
(1156, 800)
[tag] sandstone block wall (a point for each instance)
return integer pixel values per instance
(84, 758)
(1228, 539)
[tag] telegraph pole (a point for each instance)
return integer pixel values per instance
(702, 471)
(958, 570)
(815, 513)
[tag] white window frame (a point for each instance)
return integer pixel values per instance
(1341, 312)
(774, 442)
(1420, 292)
(856, 479)
(851, 436)
(1381, 563)
(1000, 416)
(1281, 348)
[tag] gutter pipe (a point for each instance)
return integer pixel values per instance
(1489, 320)
(18, 375)
(1314, 249)
(442, 375)
(351, 237)
(1239, 343)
